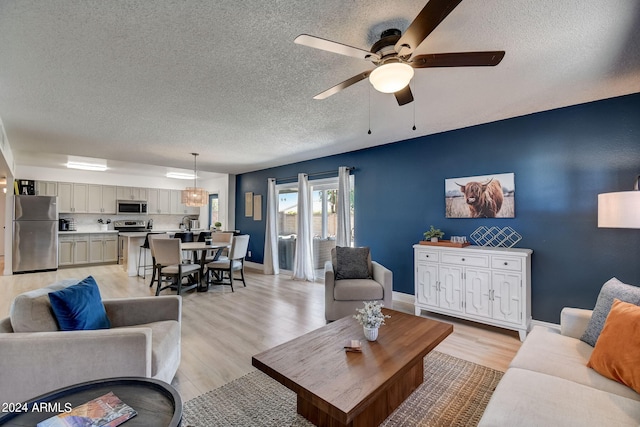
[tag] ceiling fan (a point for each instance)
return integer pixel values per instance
(393, 54)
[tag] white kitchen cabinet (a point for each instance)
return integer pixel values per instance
(72, 197)
(178, 208)
(103, 248)
(46, 188)
(131, 193)
(159, 201)
(73, 249)
(487, 285)
(101, 199)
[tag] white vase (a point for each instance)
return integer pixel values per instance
(371, 334)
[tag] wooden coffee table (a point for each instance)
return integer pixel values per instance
(337, 388)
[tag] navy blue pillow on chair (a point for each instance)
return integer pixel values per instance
(79, 307)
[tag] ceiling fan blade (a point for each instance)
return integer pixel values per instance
(331, 46)
(404, 96)
(427, 20)
(345, 84)
(458, 59)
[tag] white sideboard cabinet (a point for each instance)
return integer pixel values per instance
(486, 285)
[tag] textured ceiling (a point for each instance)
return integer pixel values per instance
(149, 82)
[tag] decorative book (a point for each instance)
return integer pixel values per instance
(104, 411)
(353, 346)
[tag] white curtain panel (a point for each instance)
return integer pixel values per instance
(343, 233)
(271, 263)
(303, 260)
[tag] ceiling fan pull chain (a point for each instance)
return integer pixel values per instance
(414, 116)
(369, 111)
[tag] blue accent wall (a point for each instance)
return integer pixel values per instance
(561, 160)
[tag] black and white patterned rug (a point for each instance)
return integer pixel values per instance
(455, 393)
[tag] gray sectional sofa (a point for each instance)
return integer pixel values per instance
(548, 383)
(144, 340)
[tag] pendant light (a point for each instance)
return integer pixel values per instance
(195, 196)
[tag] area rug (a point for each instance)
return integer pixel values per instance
(455, 393)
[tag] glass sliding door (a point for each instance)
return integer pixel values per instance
(287, 224)
(324, 222)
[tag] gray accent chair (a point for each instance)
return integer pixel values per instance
(144, 341)
(342, 297)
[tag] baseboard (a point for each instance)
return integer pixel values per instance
(410, 299)
(402, 297)
(255, 267)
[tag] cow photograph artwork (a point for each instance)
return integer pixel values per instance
(484, 196)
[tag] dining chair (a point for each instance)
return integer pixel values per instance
(152, 238)
(235, 262)
(202, 236)
(168, 254)
(185, 237)
(220, 238)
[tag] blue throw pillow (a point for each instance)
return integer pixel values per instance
(79, 307)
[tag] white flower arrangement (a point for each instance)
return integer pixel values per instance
(371, 315)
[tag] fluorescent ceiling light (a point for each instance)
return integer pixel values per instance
(391, 77)
(86, 163)
(180, 175)
(87, 166)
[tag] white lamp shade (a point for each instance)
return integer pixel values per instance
(619, 210)
(390, 78)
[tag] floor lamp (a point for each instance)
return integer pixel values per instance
(619, 210)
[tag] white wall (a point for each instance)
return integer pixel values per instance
(7, 168)
(226, 199)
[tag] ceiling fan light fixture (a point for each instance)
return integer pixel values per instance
(390, 78)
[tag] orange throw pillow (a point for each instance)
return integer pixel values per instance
(617, 351)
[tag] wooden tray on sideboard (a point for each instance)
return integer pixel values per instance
(448, 243)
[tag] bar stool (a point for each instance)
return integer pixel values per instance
(143, 248)
(185, 237)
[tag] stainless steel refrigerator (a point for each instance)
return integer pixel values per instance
(35, 233)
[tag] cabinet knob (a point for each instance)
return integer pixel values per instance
(462, 259)
(506, 263)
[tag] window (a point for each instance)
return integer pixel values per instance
(324, 194)
(214, 209)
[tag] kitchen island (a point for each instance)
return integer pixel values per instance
(129, 247)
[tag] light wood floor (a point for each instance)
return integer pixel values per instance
(221, 330)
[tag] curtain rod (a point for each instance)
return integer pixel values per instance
(315, 174)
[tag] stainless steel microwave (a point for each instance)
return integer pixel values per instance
(132, 207)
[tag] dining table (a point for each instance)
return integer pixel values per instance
(203, 248)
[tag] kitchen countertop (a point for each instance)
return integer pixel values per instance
(144, 233)
(88, 232)
(128, 233)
